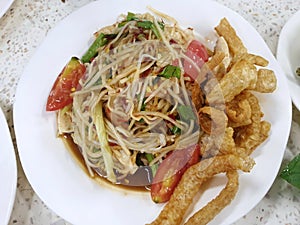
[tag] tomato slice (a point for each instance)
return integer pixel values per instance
(171, 170)
(66, 83)
(198, 53)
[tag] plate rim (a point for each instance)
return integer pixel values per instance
(282, 57)
(11, 168)
(6, 5)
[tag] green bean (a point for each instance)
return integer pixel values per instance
(100, 41)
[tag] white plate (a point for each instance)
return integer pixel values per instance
(57, 178)
(4, 6)
(8, 172)
(288, 55)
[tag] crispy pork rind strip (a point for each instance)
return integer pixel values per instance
(232, 123)
(215, 206)
(238, 111)
(235, 44)
(254, 59)
(245, 132)
(252, 135)
(215, 60)
(213, 145)
(190, 184)
(196, 94)
(266, 81)
(241, 76)
(222, 47)
(216, 64)
(212, 120)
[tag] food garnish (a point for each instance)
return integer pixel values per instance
(66, 83)
(171, 170)
(291, 173)
(99, 42)
(190, 184)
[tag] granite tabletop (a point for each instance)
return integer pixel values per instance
(27, 22)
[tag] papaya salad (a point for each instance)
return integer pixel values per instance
(127, 102)
(151, 96)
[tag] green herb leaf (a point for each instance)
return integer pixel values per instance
(175, 130)
(145, 24)
(186, 112)
(171, 71)
(149, 157)
(291, 173)
(131, 16)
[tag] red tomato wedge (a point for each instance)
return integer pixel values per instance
(66, 83)
(198, 53)
(171, 170)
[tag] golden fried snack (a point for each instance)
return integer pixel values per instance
(266, 81)
(215, 60)
(222, 46)
(208, 144)
(240, 77)
(235, 44)
(196, 94)
(212, 120)
(231, 118)
(215, 206)
(191, 181)
(227, 145)
(238, 111)
(220, 71)
(255, 59)
(216, 65)
(252, 135)
(222, 144)
(204, 74)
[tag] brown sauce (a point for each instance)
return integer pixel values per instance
(136, 182)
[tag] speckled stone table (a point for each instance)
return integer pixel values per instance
(26, 24)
